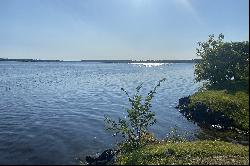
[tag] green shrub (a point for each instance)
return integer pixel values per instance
(222, 61)
(135, 129)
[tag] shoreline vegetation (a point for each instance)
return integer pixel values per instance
(187, 153)
(106, 61)
(220, 108)
(223, 101)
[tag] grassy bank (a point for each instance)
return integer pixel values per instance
(234, 106)
(218, 107)
(228, 109)
(197, 152)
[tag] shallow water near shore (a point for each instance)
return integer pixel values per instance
(53, 112)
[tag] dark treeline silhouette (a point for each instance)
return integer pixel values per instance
(28, 60)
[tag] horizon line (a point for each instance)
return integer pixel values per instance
(104, 61)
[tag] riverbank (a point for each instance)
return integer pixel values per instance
(224, 117)
(187, 153)
(222, 112)
(217, 109)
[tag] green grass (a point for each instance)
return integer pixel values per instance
(235, 106)
(197, 152)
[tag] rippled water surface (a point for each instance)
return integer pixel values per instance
(52, 113)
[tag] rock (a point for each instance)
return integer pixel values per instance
(106, 157)
(184, 100)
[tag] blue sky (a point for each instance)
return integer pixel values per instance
(116, 29)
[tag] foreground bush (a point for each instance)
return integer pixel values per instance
(195, 153)
(134, 129)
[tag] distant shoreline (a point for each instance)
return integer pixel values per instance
(106, 61)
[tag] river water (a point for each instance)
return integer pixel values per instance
(53, 112)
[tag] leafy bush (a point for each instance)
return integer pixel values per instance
(231, 86)
(140, 117)
(222, 62)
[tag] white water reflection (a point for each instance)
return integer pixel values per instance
(148, 64)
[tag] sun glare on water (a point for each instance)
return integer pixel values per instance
(148, 64)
